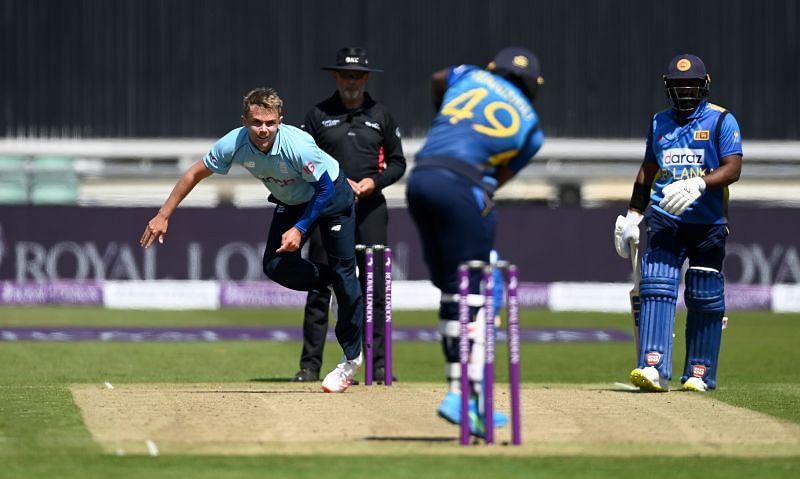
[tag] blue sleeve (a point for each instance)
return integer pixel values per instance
(730, 139)
(528, 150)
(323, 192)
(455, 73)
(649, 156)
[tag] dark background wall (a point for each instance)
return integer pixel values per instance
(178, 68)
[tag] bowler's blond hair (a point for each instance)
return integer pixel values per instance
(263, 97)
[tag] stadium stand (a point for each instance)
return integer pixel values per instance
(13, 180)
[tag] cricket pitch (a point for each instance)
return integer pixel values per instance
(298, 419)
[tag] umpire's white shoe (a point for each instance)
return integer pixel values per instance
(695, 384)
(338, 380)
(649, 379)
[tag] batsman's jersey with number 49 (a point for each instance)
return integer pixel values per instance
(484, 121)
(691, 150)
(287, 170)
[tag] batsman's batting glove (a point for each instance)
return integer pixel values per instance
(626, 230)
(680, 195)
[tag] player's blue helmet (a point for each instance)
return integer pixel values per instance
(686, 82)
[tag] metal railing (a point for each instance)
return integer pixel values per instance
(562, 163)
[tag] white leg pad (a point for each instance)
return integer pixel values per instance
(476, 330)
(453, 373)
(475, 300)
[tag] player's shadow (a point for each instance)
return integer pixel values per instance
(239, 391)
(411, 438)
(270, 380)
(625, 391)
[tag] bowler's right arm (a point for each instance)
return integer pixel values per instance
(157, 227)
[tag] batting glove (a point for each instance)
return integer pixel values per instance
(680, 195)
(626, 230)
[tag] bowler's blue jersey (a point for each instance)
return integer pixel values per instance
(693, 150)
(485, 121)
(287, 170)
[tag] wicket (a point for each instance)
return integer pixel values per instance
(510, 275)
(369, 309)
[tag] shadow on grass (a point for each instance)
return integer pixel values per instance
(411, 438)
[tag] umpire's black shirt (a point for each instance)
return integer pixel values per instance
(365, 141)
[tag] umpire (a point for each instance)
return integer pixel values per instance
(364, 138)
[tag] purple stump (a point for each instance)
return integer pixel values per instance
(514, 355)
(387, 328)
(463, 349)
(488, 365)
(369, 266)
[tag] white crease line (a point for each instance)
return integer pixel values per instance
(151, 447)
(628, 387)
(108, 385)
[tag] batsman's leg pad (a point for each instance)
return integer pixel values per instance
(658, 290)
(476, 332)
(705, 302)
(448, 329)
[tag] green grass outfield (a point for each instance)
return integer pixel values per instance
(42, 435)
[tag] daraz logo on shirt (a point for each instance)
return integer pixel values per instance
(683, 156)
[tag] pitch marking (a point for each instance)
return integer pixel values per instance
(151, 447)
(628, 387)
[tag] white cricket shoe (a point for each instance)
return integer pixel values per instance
(695, 384)
(649, 379)
(338, 380)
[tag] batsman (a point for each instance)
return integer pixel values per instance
(693, 153)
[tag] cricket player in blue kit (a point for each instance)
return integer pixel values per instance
(693, 153)
(308, 190)
(484, 133)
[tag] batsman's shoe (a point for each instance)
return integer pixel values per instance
(477, 426)
(450, 408)
(500, 419)
(450, 411)
(649, 379)
(695, 384)
(338, 380)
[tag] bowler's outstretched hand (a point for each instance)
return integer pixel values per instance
(156, 228)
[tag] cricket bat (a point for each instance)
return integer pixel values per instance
(636, 302)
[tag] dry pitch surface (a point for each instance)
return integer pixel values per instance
(287, 418)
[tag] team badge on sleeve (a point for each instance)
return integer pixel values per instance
(309, 168)
(212, 160)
